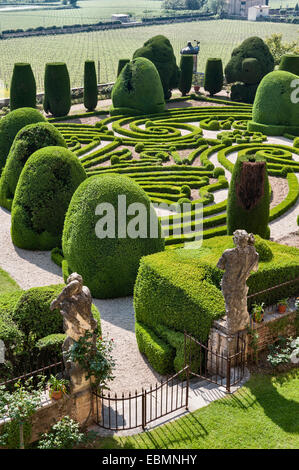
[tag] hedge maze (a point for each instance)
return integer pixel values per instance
(176, 158)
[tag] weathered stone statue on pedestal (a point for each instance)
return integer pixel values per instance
(238, 263)
(75, 303)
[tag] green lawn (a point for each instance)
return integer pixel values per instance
(7, 284)
(264, 414)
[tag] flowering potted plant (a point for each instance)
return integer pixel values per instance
(282, 305)
(57, 387)
(258, 312)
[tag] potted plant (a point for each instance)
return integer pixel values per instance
(282, 305)
(258, 312)
(57, 387)
(196, 82)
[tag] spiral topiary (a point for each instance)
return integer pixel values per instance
(100, 249)
(248, 196)
(45, 188)
(22, 87)
(57, 98)
(10, 126)
(90, 85)
(29, 139)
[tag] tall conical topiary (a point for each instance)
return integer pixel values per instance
(22, 87)
(186, 66)
(90, 85)
(248, 197)
(213, 76)
(57, 99)
(121, 64)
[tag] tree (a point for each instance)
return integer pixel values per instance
(216, 6)
(279, 48)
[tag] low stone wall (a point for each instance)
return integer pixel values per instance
(79, 406)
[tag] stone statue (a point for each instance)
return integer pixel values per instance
(75, 303)
(238, 263)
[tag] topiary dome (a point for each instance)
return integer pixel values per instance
(138, 89)
(274, 111)
(108, 265)
(29, 139)
(159, 51)
(239, 69)
(10, 126)
(45, 188)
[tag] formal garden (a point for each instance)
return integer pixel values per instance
(85, 299)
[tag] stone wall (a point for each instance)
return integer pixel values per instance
(274, 325)
(79, 406)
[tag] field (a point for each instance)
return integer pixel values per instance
(91, 11)
(218, 38)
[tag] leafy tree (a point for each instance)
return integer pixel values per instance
(216, 6)
(279, 48)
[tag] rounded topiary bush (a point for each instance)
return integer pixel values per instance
(263, 249)
(45, 188)
(138, 89)
(159, 51)
(29, 139)
(22, 87)
(248, 196)
(275, 112)
(186, 67)
(101, 250)
(57, 98)
(213, 80)
(218, 171)
(90, 85)
(121, 64)
(290, 63)
(10, 126)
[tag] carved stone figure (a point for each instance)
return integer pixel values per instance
(75, 303)
(238, 263)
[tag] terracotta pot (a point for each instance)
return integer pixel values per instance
(282, 308)
(56, 395)
(261, 319)
(196, 88)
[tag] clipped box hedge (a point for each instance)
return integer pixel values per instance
(179, 290)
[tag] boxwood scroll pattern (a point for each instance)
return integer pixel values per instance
(167, 152)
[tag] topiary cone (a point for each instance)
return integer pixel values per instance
(90, 85)
(57, 99)
(248, 197)
(213, 76)
(290, 63)
(22, 87)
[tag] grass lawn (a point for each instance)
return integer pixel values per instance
(264, 414)
(7, 284)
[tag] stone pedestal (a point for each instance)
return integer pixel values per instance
(222, 346)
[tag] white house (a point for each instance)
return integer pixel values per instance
(121, 17)
(257, 11)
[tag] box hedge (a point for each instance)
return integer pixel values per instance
(10, 126)
(22, 87)
(180, 290)
(29, 139)
(45, 188)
